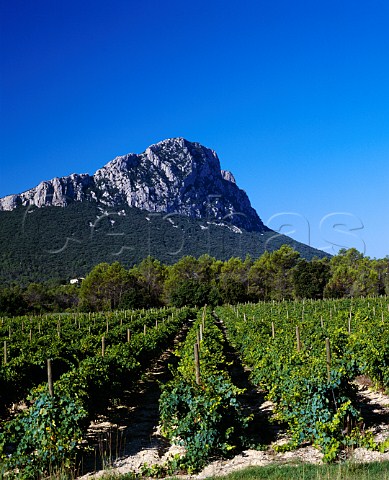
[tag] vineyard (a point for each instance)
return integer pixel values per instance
(61, 372)
(306, 355)
(95, 357)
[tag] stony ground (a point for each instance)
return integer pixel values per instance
(151, 448)
(130, 437)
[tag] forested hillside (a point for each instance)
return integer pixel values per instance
(56, 243)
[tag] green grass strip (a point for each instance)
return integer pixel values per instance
(343, 471)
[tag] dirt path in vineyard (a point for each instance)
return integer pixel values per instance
(128, 436)
(139, 442)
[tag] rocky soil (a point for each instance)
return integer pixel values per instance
(131, 436)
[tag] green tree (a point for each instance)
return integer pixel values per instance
(12, 301)
(259, 279)
(271, 276)
(209, 273)
(64, 297)
(310, 278)
(192, 281)
(234, 280)
(181, 281)
(37, 298)
(105, 286)
(382, 269)
(352, 275)
(149, 276)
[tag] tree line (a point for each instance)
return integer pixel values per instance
(277, 275)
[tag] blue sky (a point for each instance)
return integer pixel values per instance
(293, 96)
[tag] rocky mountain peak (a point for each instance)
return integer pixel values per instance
(228, 176)
(172, 176)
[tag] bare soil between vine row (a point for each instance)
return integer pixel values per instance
(129, 436)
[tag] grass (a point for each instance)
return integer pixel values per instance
(344, 471)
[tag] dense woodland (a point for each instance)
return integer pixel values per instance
(277, 275)
(55, 243)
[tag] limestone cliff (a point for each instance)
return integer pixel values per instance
(172, 176)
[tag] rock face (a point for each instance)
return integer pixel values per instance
(173, 176)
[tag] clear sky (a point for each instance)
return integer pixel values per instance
(293, 95)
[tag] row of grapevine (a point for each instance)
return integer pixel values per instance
(306, 355)
(67, 339)
(49, 434)
(200, 407)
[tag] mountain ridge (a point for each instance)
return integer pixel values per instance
(170, 201)
(171, 176)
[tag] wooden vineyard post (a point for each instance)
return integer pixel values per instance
(201, 332)
(107, 326)
(30, 335)
(321, 322)
(273, 333)
(144, 329)
(5, 352)
(349, 323)
(128, 335)
(197, 363)
(204, 314)
(328, 356)
(9, 331)
(102, 346)
(156, 323)
(50, 377)
(298, 338)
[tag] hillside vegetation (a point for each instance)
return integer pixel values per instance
(55, 243)
(278, 275)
